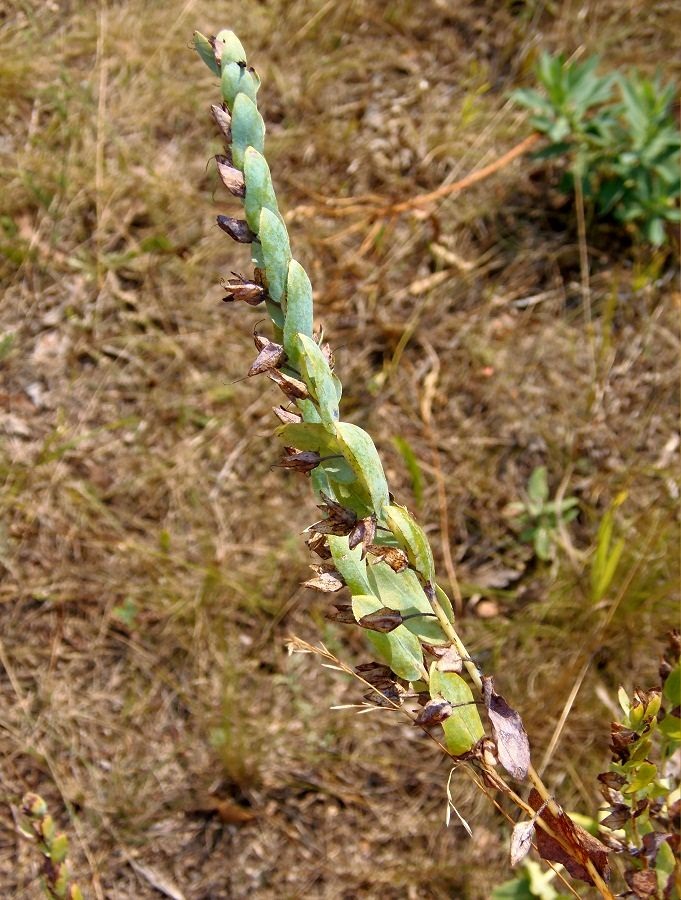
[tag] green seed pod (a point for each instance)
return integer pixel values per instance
(277, 252)
(228, 47)
(259, 189)
(298, 309)
(248, 129)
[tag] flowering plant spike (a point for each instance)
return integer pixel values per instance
(375, 547)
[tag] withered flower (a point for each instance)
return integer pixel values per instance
(224, 122)
(383, 620)
(240, 288)
(237, 229)
(434, 712)
(231, 177)
(271, 356)
(300, 460)
(292, 387)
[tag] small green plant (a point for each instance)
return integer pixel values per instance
(619, 139)
(38, 825)
(540, 518)
(641, 821)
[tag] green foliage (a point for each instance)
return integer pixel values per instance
(531, 883)
(539, 517)
(38, 825)
(641, 787)
(617, 136)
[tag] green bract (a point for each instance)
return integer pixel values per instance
(319, 379)
(260, 194)
(276, 252)
(463, 729)
(248, 130)
(400, 648)
(298, 309)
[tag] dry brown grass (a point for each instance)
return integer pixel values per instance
(152, 558)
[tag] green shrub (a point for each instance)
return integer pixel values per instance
(616, 134)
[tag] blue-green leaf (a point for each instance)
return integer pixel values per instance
(235, 80)
(361, 454)
(463, 729)
(318, 377)
(403, 591)
(412, 538)
(231, 48)
(350, 564)
(400, 648)
(205, 51)
(277, 253)
(298, 309)
(259, 188)
(248, 129)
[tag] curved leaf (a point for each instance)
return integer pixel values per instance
(350, 564)
(400, 648)
(318, 378)
(248, 129)
(276, 252)
(231, 48)
(412, 538)
(361, 454)
(259, 188)
(403, 591)
(463, 729)
(204, 49)
(298, 309)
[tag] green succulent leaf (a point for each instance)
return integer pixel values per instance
(277, 253)
(412, 538)
(350, 565)
(236, 79)
(205, 51)
(400, 648)
(318, 378)
(361, 455)
(232, 48)
(403, 591)
(463, 729)
(248, 129)
(298, 309)
(309, 436)
(259, 188)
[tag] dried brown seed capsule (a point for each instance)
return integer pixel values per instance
(237, 229)
(286, 416)
(300, 460)
(224, 122)
(317, 543)
(270, 357)
(383, 620)
(342, 613)
(388, 697)
(434, 712)
(327, 580)
(363, 533)
(232, 178)
(376, 673)
(240, 288)
(294, 389)
(394, 557)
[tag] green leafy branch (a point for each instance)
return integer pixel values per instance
(624, 151)
(367, 542)
(38, 825)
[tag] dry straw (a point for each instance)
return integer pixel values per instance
(368, 543)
